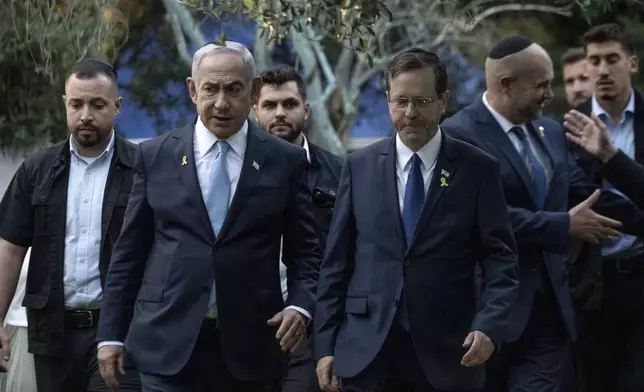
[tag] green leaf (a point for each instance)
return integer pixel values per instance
(250, 4)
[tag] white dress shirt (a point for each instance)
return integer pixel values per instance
(507, 126)
(428, 155)
(205, 153)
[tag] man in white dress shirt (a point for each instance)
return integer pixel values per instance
(194, 289)
(397, 304)
(282, 109)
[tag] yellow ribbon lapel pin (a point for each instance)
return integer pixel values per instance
(541, 131)
(184, 160)
(444, 177)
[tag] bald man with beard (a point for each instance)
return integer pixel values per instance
(539, 180)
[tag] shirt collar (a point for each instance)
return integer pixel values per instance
(599, 111)
(505, 124)
(205, 139)
(427, 154)
(108, 148)
(305, 146)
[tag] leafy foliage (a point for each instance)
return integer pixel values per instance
(350, 22)
(39, 42)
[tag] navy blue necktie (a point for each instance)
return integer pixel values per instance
(536, 169)
(414, 199)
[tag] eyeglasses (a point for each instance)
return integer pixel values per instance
(419, 102)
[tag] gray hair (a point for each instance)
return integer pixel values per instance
(231, 46)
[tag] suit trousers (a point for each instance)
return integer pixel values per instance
(536, 362)
(301, 375)
(394, 369)
(206, 371)
(610, 348)
(77, 369)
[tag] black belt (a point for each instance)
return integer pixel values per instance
(82, 318)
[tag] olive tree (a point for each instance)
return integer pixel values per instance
(39, 41)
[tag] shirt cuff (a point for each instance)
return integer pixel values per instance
(110, 343)
(304, 312)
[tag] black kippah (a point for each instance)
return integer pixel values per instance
(508, 46)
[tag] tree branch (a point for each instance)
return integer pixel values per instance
(564, 11)
(180, 40)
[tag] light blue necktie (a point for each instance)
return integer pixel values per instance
(217, 201)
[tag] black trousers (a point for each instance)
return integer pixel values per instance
(536, 362)
(610, 346)
(395, 369)
(206, 371)
(77, 369)
(301, 375)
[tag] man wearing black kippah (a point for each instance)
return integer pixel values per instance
(539, 179)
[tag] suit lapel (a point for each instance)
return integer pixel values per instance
(313, 173)
(251, 169)
(185, 164)
(443, 174)
(387, 164)
(500, 140)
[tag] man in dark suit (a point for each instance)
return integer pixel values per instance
(539, 177)
(591, 134)
(397, 307)
(618, 265)
(282, 110)
(67, 203)
(195, 281)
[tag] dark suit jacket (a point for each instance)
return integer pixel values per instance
(367, 264)
(586, 272)
(323, 176)
(626, 175)
(542, 234)
(165, 260)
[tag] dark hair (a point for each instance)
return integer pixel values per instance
(282, 74)
(609, 32)
(572, 56)
(90, 68)
(417, 58)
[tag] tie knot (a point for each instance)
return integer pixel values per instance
(519, 132)
(222, 147)
(415, 161)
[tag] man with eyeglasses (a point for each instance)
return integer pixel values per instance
(397, 306)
